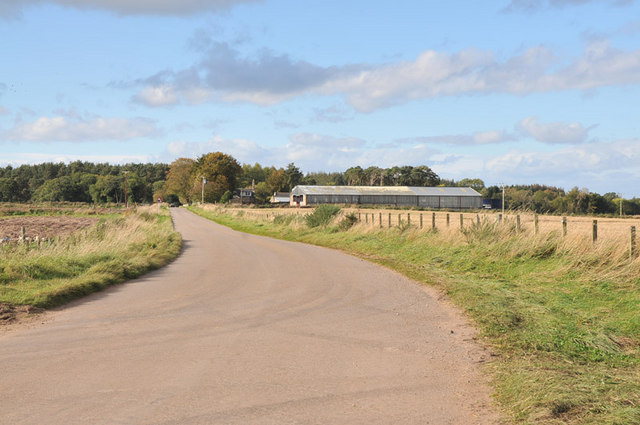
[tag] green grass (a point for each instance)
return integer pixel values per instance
(116, 249)
(562, 318)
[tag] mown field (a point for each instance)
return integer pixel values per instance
(80, 251)
(559, 314)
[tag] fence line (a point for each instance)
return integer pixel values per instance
(599, 230)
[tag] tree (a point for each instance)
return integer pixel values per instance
(354, 176)
(475, 184)
(263, 193)
(424, 176)
(9, 191)
(108, 189)
(374, 176)
(276, 181)
(292, 177)
(252, 173)
(158, 188)
(220, 170)
(180, 179)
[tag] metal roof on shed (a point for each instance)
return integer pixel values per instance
(384, 190)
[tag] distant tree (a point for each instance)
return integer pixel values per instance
(158, 189)
(324, 179)
(252, 173)
(425, 176)
(263, 193)
(180, 179)
(354, 176)
(374, 176)
(276, 181)
(220, 170)
(9, 191)
(108, 189)
(292, 177)
(57, 189)
(476, 184)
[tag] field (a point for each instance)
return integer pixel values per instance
(559, 314)
(81, 253)
(579, 229)
(42, 227)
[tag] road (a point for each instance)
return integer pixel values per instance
(242, 329)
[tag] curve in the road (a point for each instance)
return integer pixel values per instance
(243, 329)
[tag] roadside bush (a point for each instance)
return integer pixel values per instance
(348, 221)
(226, 197)
(322, 215)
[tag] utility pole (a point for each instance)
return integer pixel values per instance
(204, 181)
(126, 199)
(620, 196)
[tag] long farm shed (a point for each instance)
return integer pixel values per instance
(457, 198)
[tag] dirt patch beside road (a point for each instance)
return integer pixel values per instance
(17, 313)
(43, 226)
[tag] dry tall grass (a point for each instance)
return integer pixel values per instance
(115, 249)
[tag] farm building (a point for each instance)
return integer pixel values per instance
(280, 198)
(426, 197)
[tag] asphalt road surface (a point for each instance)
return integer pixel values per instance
(242, 329)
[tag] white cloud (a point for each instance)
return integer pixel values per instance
(130, 7)
(536, 70)
(163, 95)
(554, 133)
(589, 165)
(66, 129)
(243, 150)
(309, 151)
(477, 138)
(19, 158)
(534, 5)
(223, 74)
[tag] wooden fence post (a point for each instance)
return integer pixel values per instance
(389, 220)
(380, 219)
(366, 218)
(632, 245)
(447, 219)
(461, 221)
(594, 232)
(478, 218)
(518, 223)
(399, 219)
(433, 221)
(409, 219)
(499, 218)
(23, 234)
(564, 226)
(421, 220)
(535, 223)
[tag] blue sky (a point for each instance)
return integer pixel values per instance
(511, 91)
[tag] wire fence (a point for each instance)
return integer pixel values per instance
(601, 229)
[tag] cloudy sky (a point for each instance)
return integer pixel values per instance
(513, 91)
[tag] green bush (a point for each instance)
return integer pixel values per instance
(348, 221)
(322, 215)
(226, 197)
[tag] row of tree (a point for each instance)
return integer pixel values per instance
(214, 177)
(81, 182)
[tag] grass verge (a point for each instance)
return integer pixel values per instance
(117, 248)
(560, 315)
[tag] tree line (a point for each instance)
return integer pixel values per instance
(214, 177)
